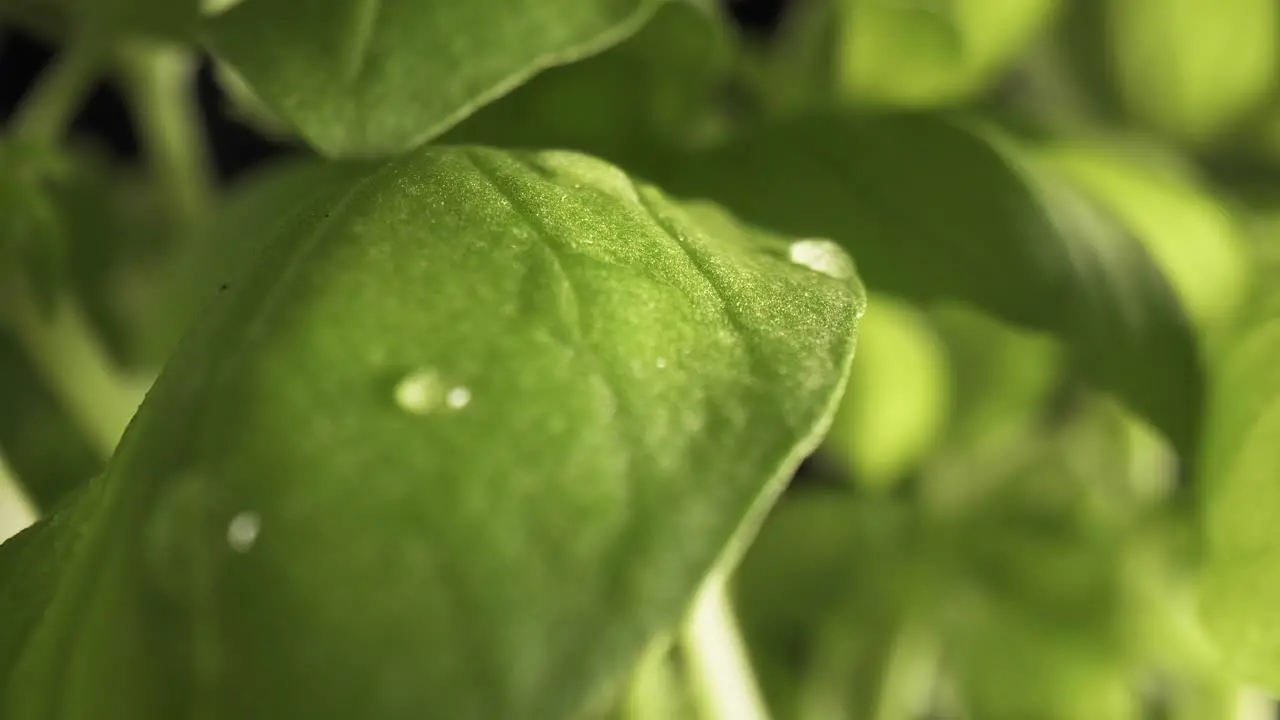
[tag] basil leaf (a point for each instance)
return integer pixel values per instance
(920, 54)
(1187, 232)
(42, 444)
(464, 437)
(360, 77)
(899, 396)
(654, 90)
(1239, 473)
(934, 211)
(1225, 61)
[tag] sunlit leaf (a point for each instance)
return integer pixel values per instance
(898, 398)
(1242, 507)
(920, 53)
(1192, 67)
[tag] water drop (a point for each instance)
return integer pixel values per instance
(660, 363)
(822, 256)
(419, 392)
(242, 531)
(458, 397)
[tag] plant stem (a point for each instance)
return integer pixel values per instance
(724, 686)
(50, 106)
(161, 89)
(64, 350)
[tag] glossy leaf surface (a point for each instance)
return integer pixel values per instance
(467, 433)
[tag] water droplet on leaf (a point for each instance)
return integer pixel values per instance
(660, 363)
(458, 397)
(242, 531)
(822, 256)
(419, 392)
(423, 392)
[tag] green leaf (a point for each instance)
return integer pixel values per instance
(155, 19)
(32, 231)
(934, 211)
(820, 558)
(1001, 378)
(898, 398)
(1192, 67)
(467, 434)
(929, 53)
(251, 211)
(32, 565)
(655, 89)
(40, 441)
(1240, 586)
(360, 77)
(1187, 231)
(793, 69)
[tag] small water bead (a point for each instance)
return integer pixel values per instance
(242, 531)
(458, 397)
(419, 392)
(822, 256)
(660, 363)
(423, 392)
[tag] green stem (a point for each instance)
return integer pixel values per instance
(50, 106)
(160, 83)
(64, 350)
(724, 686)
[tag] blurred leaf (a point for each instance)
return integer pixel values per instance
(243, 105)
(157, 19)
(165, 19)
(898, 398)
(32, 233)
(1027, 570)
(308, 517)
(1192, 67)
(921, 53)
(1242, 506)
(934, 211)
(361, 77)
(41, 444)
(792, 71)
(651, 90)
(34, 563)
(1187, 231)
(822, 559)
(1001, 377)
